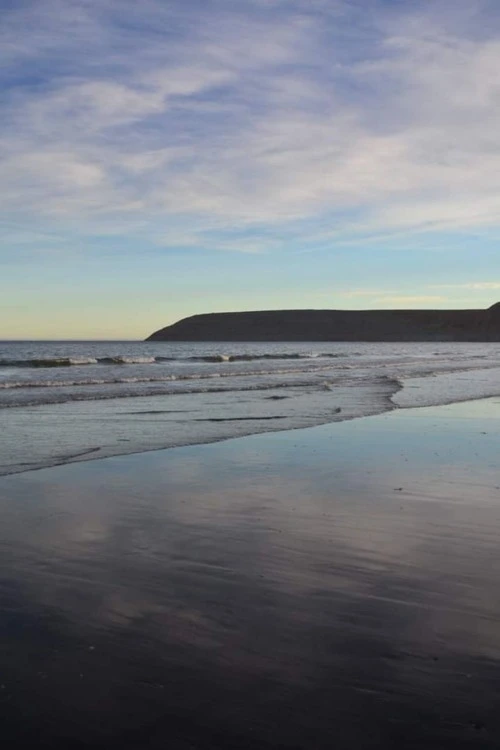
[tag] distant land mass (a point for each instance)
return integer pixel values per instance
(337, 325)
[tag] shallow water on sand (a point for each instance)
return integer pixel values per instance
(62, 402)
(333, 587)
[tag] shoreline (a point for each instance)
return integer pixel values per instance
(88, 454)
(270, 592)
(52, 440)
(98, 401)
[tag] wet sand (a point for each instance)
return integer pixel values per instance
(335, 587)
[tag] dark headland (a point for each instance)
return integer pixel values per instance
(337, 325)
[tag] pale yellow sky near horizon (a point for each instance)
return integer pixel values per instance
(95, 321)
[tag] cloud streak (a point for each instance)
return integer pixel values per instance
(261, 116)
(475, 286)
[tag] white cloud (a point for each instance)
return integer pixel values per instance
(257, 115)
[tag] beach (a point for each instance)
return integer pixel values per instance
(334, 586)
(67, 401)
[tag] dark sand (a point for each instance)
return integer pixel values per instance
(336, 587)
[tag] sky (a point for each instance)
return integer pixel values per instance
(165, 158)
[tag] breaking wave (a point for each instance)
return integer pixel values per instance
(134, 360)
(13, 384)
(252, 357)
(49, 362)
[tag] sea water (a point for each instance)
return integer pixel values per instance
(69, 401)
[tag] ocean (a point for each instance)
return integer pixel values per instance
(77, 400)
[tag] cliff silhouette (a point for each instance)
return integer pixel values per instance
(337, 325)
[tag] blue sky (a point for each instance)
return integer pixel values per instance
(161, 159)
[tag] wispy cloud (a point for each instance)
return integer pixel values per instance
(390, 298)
(410, 300)
(353, 293)
(475, 285)
(256, 114)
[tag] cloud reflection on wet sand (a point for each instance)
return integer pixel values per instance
(328, 587)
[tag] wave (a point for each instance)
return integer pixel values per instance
(49, 362)
(125, 360)
(278, 356)
(18, 384)
(56, 397)
(76, 361)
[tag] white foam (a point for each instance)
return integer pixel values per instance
(126, 360)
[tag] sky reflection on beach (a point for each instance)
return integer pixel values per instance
(264, 592)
